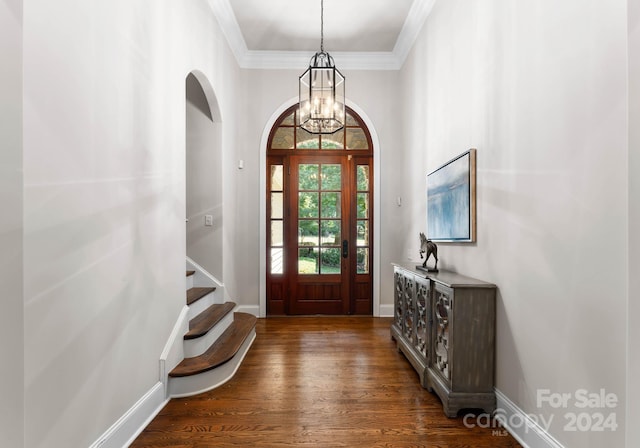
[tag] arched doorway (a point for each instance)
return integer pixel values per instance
(319, 219)
(203, 189)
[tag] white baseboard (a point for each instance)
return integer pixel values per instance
(250, 309)
(386, 310)
(521, 426)
(123, 432)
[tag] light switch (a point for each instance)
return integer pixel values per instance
(208, 220)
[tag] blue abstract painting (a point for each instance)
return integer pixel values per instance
(449, 200)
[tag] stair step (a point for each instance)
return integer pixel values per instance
(220, 351)
(190, 273)
(205, 321)
(195, 294)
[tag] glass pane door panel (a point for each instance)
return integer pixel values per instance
(308, 205)
(333, 141)
(276, 205)
(330, 261)
(363, 260)
(277, 176)
(362, 205)
(277, 260)
(363, 233)
(306, 140)
(363, 178)
(277, 233)
(363, 240)
(331, 206)
(276, 221)
(319, 212)
(356, 139)
(331, 177)
(308, 233)
(330, 232)
(351, 121)
(283, 139)
(308, 177)
(288, 121)
(308, 260)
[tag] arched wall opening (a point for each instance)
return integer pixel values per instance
(203, 189)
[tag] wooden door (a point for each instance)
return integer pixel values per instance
(319, 201)
(319, 223)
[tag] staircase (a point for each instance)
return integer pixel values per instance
(216, 341)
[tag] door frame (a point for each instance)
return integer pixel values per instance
(377, 312)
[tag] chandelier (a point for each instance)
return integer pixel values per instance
(321, 92)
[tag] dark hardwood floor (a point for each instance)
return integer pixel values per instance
(318, 382)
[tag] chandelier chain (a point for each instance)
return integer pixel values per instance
(322, 26)
(321, 92)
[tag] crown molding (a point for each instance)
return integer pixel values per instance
(283, 60)
(420, 10)
(296, 60)
(229, 24)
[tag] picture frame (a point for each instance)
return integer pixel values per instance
(451, 200)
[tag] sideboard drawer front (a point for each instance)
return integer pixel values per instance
(443, 330)
(398, 298)
(409, 308)
(423, 317)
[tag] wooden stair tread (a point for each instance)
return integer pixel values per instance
(195, 294)
(205, 321)
(190, 273)
(220, 351)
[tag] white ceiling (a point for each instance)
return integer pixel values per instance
(294, 25)
(359, 34)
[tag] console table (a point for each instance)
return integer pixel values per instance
(444, 323)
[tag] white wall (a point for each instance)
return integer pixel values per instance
(204, 179)
(539, 88)
(633, 366)
(104, 200)
(373, 92)
(377, 93)
(11, 223)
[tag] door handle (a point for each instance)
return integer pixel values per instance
(345, 248)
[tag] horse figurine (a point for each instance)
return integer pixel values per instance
(430, 248)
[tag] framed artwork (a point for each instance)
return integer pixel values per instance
(451, 200)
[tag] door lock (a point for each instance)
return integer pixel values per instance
(345, 248)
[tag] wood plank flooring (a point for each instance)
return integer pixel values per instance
(318, 382)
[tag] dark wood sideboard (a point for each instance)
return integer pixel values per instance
(444, 323)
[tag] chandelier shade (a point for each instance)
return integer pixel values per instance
(321, 93)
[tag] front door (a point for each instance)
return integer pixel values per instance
(320, 246)
(320, 228)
